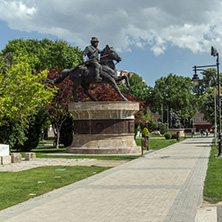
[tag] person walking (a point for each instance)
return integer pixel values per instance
(201, 132)
(206, 132)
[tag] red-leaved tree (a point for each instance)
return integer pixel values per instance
(58, 109)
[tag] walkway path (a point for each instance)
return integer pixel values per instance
(163, 186)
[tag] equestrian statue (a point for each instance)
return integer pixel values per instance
(94, 71)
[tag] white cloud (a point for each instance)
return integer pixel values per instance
(186, 24)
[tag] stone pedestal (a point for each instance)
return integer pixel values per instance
(30, 156)
(5, 160)
(16, 157)
(175, 130)
(104, 128)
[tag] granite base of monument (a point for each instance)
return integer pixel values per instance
(175, 130)
(104, 128)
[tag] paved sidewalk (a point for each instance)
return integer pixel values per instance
(163, 186)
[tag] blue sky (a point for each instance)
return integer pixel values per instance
(154, 38)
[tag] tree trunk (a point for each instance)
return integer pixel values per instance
(58, 137)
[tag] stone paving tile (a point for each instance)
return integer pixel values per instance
(145, 177)
(165, 163)
(208, 214)
(116, 205)
(164, 186)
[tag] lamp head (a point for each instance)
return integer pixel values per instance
(213, 51)
(195, 79)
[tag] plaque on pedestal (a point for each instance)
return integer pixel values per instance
(4, 150)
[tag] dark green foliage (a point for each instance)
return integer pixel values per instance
(206, 92)
(174, 92)
(33, 132)
(152, 125)
(168, 135)
(12, 133)
(45, 53)
(162, 128)
(138, 87)
(174, 136)
(66, 135)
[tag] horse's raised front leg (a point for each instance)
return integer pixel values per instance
(86, 91)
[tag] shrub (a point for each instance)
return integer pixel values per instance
(67, 128)
(162, 128)
(33, 133)
(174, 136)
(168, 135)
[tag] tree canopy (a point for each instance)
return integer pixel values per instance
(205, 91)
(174, 92)
(21, 91)
(45, 53)
(206, 82)
(139, 88)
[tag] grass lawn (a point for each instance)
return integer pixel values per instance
(16, 187)
(42, 153)
(156, 144)
(46, 142)
(213, 182)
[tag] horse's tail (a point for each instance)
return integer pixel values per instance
(63, 75)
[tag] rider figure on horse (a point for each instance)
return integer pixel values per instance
(92, 52)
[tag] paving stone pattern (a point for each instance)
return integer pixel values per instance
(163, 186)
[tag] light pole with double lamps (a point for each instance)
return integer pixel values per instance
(217, 83)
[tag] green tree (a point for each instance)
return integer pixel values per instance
(206, 82)
(12, 132)
(21, 93)
(67, 128)
(44, 54)
(139, 88)
(147, 121)
(205, 91)
(206, 105)
(33, 133)
(174, 92)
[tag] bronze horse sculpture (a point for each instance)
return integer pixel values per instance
(83, 74)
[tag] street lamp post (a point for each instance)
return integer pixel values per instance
(215, 53)
(196, 78)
